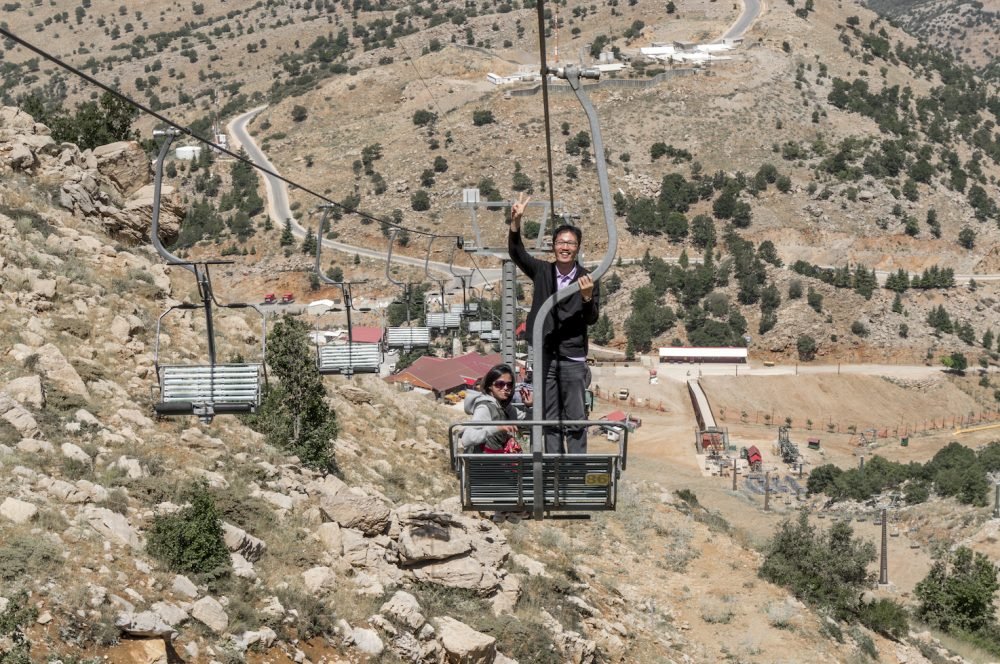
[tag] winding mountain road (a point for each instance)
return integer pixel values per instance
(280, 211)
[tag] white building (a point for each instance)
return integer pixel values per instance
(187, 152)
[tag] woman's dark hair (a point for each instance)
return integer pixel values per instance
(575, 230)
(494, 374)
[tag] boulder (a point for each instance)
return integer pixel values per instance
(462, 644)
(35, 446)
(75, 452)
(367, 641)
(170, 613)
(329, 535)
(63, 491)
(27, 390)
(404, 609)
(464, 572)
(352, 510)
(209, 612)
(124, 164)
(21, 158)
(132, 223)
(242, 567)
(184, 586)
(319, 579)
(112, 526)
(57, 370)
(18, 511)
(239, 541)
(139, 651)
(146, 623)
(17, 416)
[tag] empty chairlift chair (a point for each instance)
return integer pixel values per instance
(206, 389)
(353, 357)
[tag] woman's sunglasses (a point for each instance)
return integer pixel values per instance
(503, 384)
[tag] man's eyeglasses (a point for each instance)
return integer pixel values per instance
(565, 243)
(503, 384)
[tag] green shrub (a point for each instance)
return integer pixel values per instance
(957, 593)
(18, 614)
(190, 540)
(827, 569)
(23, 557)
(885, 616)
(865, 643)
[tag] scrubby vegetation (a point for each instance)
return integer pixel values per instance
(954, 471)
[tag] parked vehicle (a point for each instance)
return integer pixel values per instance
(270, 298)
(623, 393)
(287, 298)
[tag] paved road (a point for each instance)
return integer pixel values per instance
(751, 9)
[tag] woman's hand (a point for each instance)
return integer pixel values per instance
(527, 397)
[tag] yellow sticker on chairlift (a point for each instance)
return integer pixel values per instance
(597, 479)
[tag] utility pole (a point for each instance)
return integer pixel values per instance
(883, 568)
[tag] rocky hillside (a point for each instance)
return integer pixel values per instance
(967, 29)
(373, 563)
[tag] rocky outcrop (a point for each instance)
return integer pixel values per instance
(124, 165)
(109, 186)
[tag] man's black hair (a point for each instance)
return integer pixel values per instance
(575, 230)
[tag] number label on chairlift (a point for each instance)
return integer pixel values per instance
(597, 479)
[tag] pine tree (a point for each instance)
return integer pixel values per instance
(897, 304)
(287, 239)
(988, 339)
(309, 243)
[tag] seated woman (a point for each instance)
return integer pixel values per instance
(494, 403)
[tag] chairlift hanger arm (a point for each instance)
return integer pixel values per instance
(154, 231)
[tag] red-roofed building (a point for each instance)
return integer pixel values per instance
(367, 335)
(443, 375)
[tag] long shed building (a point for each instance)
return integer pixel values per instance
(693, 354)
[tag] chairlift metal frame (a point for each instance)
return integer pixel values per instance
(212, 389)
(407, 292)
(348, 302)
(541, 502)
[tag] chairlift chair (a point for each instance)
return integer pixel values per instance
(405, 338)
(211, 389)
(352, 358)
(548, 485)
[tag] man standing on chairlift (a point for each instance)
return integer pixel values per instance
(564, 355)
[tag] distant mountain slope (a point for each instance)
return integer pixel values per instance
(969, 29)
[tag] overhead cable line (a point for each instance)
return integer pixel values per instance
(185, 130)
(544, 70)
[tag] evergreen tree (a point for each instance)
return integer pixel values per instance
(287, 239)
(897, 304)
(309, 242)
(603, 330)
(988, 339)
(294, 415)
